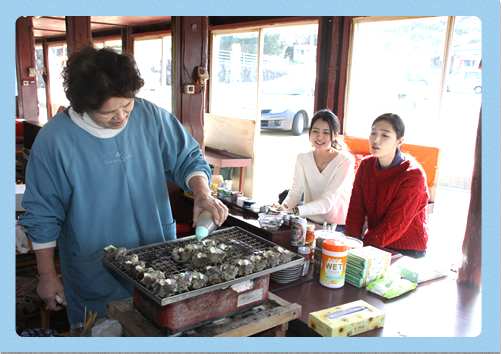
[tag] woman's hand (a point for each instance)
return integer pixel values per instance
(51, 291)
(283, 207)
(213, 205)
(204, 201)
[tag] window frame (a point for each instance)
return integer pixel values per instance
(445, 68)
(250, 27)
(164, 56)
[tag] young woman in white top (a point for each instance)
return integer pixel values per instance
(323, 175)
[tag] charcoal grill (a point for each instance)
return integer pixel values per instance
(193, 308)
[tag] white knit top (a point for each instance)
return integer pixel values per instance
(327, 193)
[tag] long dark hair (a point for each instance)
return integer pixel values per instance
(396, 122)
(92, 76)
(334, 126)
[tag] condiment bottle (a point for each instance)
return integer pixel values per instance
(310, 236)
(214, 189)
(205, 225)
(333, 264)
(305, 253)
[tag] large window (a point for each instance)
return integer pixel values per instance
(396, 67)
(283, 67)
(427, 71)
(41, 86)
(153, 56)
(235, 62)
(57, 60)
(113, 43)
(268, 75)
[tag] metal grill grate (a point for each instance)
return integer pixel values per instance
(159, 257)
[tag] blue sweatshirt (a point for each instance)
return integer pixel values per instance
(88, 192)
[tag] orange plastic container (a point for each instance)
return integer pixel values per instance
(333, 263)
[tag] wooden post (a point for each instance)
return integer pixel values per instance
(47, 79)
(78, 32)
(127, 43)
(190, 45)
(25, 67)
(469, 272)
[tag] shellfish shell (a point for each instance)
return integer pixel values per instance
(199, 280)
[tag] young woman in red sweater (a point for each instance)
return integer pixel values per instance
(390, 190)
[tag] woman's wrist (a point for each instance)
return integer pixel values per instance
(296, 211)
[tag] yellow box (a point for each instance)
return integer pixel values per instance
(350, 324)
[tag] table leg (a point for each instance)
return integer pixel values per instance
(241, 179)
(216, 170)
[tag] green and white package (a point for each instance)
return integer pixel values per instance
(391, 286)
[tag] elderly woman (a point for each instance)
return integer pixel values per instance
(97, 176)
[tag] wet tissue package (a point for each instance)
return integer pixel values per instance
(420, 270)
(346, 320)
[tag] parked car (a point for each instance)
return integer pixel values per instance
(468, 81)
(287, 106)
(413, 76)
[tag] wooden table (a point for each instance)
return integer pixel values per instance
(436, 308)
(248, 220)
(269, 319)
(223, 158)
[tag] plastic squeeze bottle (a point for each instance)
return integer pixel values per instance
(205, 225)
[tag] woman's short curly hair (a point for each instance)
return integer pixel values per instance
(92, 76)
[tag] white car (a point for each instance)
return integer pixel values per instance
(468, 81)
(287, 106)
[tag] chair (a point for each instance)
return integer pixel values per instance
(28, 303)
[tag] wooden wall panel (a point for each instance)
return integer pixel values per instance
(190, 44)
(232, 134)
(78, 32)
(469, 272)
(25, 59)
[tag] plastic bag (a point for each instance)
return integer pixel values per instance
(109, 328)
(391, 286)
(22, 244)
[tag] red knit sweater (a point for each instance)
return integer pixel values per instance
(395, 203)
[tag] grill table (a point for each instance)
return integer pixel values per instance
(184, 311)
(269, 319)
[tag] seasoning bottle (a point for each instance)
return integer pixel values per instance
(214, 189)
(310, 236)
(205, 225)
(333, 263)
(305, 253)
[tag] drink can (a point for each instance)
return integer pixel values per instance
(298, 231)
(228, 195)
(305, 253)
(235, 195)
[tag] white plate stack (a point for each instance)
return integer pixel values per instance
(287, 275)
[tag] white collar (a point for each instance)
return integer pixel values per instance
(85, 122)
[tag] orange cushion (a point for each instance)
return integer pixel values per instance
(427, 156)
